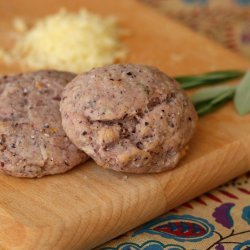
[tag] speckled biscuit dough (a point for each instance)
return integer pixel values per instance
(129, 118)
(32, 140)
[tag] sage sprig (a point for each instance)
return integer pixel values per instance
(209, 99)
(242, 95)
(192, 81)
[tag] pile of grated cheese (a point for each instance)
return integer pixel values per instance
(68, 41)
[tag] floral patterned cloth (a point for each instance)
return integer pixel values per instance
(226, 21)
(217, 220)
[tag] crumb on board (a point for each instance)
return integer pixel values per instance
(5, 57)
(20, 25)
(124, 178)
(184, 151)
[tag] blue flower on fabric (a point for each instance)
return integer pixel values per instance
(246, 214)
(148, 245)
(222, 215)
(179, 227)
(243, 246)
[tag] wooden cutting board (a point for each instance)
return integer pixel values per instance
(89, 205)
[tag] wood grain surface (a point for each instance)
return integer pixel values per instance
(89, 205)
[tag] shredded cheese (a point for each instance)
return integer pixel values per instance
(68, 41)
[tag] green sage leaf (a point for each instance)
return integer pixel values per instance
(242, 95)
(203, 108)
(207, 94)
(228, 94)
(192, 81)
(210, 99)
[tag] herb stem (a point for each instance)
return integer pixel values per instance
(192, 81)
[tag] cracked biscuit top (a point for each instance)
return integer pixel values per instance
(32, 140)
(130, 118)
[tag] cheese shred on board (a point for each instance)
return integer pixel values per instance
(68, 41)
